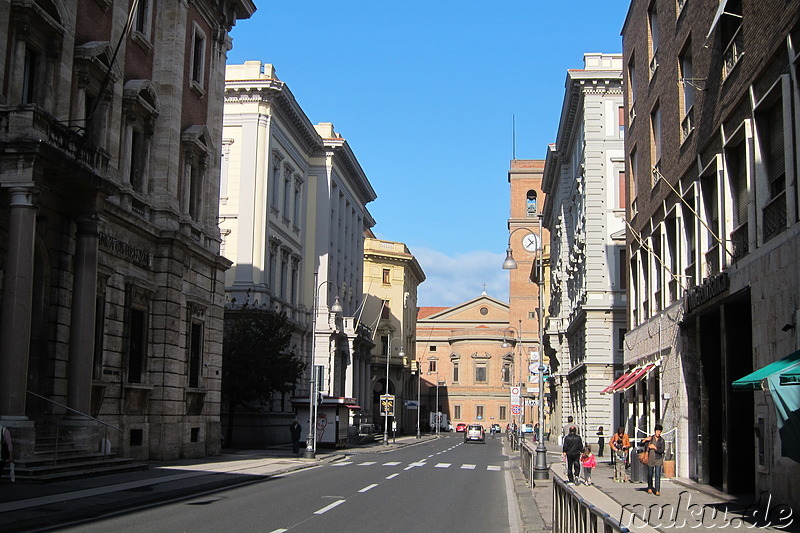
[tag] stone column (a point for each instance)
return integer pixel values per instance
(15, 324)
(82, 319)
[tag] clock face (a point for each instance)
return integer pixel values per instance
(530, 242)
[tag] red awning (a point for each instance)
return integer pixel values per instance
(637, 375)
(354, 407)
(611, 388)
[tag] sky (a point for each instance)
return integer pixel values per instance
(426, 94)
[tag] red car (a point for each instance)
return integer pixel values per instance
(461, 427)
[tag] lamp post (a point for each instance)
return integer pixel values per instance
(517, 365)
(540, 464)
(419, 386)
(386, 412)
(313, 386)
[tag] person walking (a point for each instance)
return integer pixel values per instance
(588, 463)
(620, 444)
(571, 424)
(601, 441)
(571, 452)
(655, 447)
(6, 452)
(295, 430)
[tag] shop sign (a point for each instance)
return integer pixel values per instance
(707, 291)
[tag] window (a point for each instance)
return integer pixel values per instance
(634, 174)
(531, 203)
(298, 195)
(484, 311)
(621, 339)
(506, 373)
(432, 348)
(621, 190)
(623, 269)
(136, 437)
(387, 276)
(653, 26)
(709, 189)
(194, 434)
(196, 157)
(730, 20)
(457, 412)
(771, 142)
(99, 335)
(142, 21)
(198, 60)
(455, 372)
(655, 120)
(479, 412)
(287, 191)
(137, 341)
(480, 373)
(502, 412)
(195, 353)
(632, 88)
(687, 86)
(736, 162)
(386, 311)
(432, 366)
(274, 182)
(532, 315)
(384, 345)
(621, 121)
(141, 105)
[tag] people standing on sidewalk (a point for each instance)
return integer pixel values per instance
(571, 424)
(601, 441)
(620, 444)
(571, 452)
(6, 450)
(588, 463)
(655, 446)
(294, 430)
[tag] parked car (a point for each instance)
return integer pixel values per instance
(496, 428)
(527, 428)
(475, 433)
(461, 427)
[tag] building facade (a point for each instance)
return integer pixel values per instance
(713, 206)
(293, 216)
(391, 278)
(112, 286)
(465, 370)
(584, 211)
(529, 241)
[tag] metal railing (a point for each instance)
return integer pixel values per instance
(57, 423)
(574, 514)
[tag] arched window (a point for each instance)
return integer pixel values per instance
(531, 203)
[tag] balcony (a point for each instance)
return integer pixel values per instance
(734, 51)
(775, 216)
(712, 261)
(740, 240)
(687, 125)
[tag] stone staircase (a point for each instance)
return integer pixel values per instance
(61, 461)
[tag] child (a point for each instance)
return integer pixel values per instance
(588, 462)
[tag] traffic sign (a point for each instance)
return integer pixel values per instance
(387, 404)
(516, 410)
(515, 393)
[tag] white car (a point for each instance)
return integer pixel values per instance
(526, 428)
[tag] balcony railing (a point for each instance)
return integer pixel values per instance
(740, 240)
(712, 261)
(775, 216)
(654, 64)
(689, 272)
(732, 53)
(687, 125)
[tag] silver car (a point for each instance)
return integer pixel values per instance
(475, 433)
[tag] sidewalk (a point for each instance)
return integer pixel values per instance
(682, 506)
(25, 507)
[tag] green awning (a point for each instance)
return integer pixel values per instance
(791, 377)
(755, 380)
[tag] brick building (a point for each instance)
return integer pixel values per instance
(711, 152)
(109, 244)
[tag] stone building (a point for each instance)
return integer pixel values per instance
(584, 212)
(391, 277)
(112, 281)
(528, 241)
(711, 156)
(463, 363)
(293, 215)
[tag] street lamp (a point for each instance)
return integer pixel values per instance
(518, 365)
(540, 465)
(313, 386)
(419, 386)
(386, 411)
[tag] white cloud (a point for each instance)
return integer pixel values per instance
(451, 280)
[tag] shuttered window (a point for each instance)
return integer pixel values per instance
(776, 160)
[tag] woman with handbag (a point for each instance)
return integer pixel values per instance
(654, 448)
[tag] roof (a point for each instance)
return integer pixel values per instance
(425, 312)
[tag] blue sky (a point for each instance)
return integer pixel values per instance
(424, 93)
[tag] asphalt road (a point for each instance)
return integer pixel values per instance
(438, 485)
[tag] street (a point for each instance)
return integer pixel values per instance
(439, 485)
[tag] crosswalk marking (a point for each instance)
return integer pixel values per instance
(342, 463)
(417, 464)
(329, 507)
(493, 468)
(442, 465)
(467, 467)
(391, 463)
(366, 463)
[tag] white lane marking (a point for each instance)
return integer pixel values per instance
(493, 468)
(443, 465)
(329, 507)
(391, 463)
(366, 463)
(467, 467)
(343, 463)
(431, 455)
(278, 531)
(413, 465)
(392, 476)
(368, 487)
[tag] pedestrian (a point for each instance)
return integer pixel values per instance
(601, 441)
(655, 447)
(571, 452)
(536, 436)
(294, 430)
(571, 424)
(6, 452)
(588, 463)
(620, 444)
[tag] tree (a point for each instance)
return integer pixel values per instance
(258, 358)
